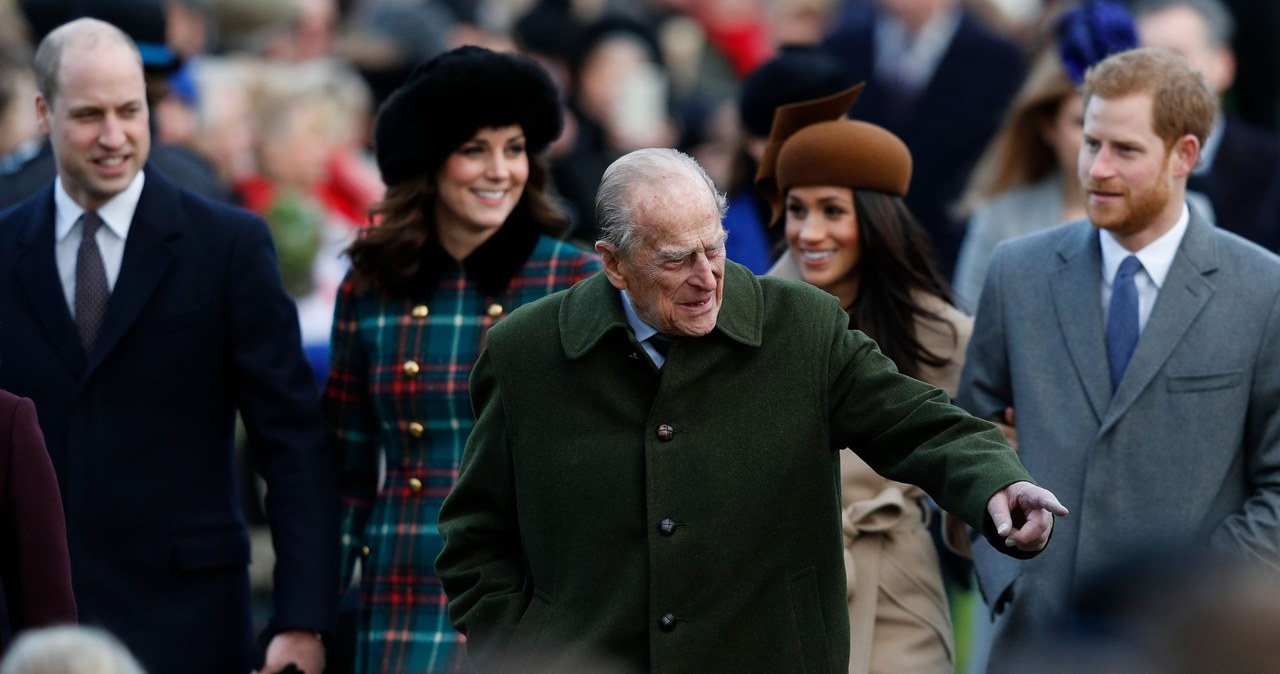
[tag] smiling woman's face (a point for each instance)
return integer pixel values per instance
(822, 233)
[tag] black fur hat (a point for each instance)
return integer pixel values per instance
(447, 99)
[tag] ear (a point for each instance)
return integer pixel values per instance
(43, 112)
(1186, 153)
(612, 264)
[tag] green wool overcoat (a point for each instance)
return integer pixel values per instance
(687, 519)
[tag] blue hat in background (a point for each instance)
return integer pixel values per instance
(1092, 32)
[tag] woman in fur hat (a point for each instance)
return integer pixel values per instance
(464, 235)
(837, 185)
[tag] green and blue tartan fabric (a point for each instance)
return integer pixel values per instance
(398, 384)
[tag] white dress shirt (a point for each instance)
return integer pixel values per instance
(1156, 258)
(116, 216)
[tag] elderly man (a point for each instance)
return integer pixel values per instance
(1138, 349)
(653, 478)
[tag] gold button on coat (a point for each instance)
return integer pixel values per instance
(415, 485)
(411, 368)
(421, 311)
(365, 551)
(416, 429)
(495, 310)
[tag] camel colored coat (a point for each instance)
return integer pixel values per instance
(898, 615)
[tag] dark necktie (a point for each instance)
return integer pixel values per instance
(1122, 319)
(662, 343)
(91, 282)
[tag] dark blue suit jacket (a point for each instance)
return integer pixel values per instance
(141, 433)
(949, 123)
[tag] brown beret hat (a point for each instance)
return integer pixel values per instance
(811, 143)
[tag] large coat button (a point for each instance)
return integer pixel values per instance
(415, 485)
(667, 526)
(421, 311)
(666, 432)
(667, 623)
(416, 429)
(495, 310)
(411, 368)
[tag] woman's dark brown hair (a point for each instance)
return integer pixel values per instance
(894, 267)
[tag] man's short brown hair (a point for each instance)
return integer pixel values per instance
(1181, 101)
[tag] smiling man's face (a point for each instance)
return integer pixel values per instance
(675, 277)
(98, 119)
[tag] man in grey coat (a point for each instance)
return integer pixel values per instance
(1139, 351)
(653, 476)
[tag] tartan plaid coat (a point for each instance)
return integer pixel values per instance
(398, 389)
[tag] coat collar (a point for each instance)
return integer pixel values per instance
(147, 256)
(491, 266)
(593, 308)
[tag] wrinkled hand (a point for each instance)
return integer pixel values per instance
(1023, 514)
(298, 647)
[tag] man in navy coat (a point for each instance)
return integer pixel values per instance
(138, 344)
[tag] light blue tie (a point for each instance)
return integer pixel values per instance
(1122, 319)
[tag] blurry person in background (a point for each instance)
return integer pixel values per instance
(1026, 180)
(839, 184)
(35, 572)
(1239, 168)
(796, 74)
(20, 137)
(940, 80)
(464, 236)
(620, 100)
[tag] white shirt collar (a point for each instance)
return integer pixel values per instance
(1156, 257)
(116, 214)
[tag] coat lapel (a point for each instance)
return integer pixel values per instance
(1076, 285)
(147, 257)
(1186, 291)
(38, 277)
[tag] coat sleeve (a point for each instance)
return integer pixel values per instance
(480, 566)
(36, 568)
(280, 404)
(1255, 529)
(353, 428)
(910, 432)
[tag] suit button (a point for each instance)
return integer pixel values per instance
(666, 432)
(495, 310)
(415, 485)
(416, 429)
(411, 368)
(420, 311)
(667, 623)
(667, 526)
